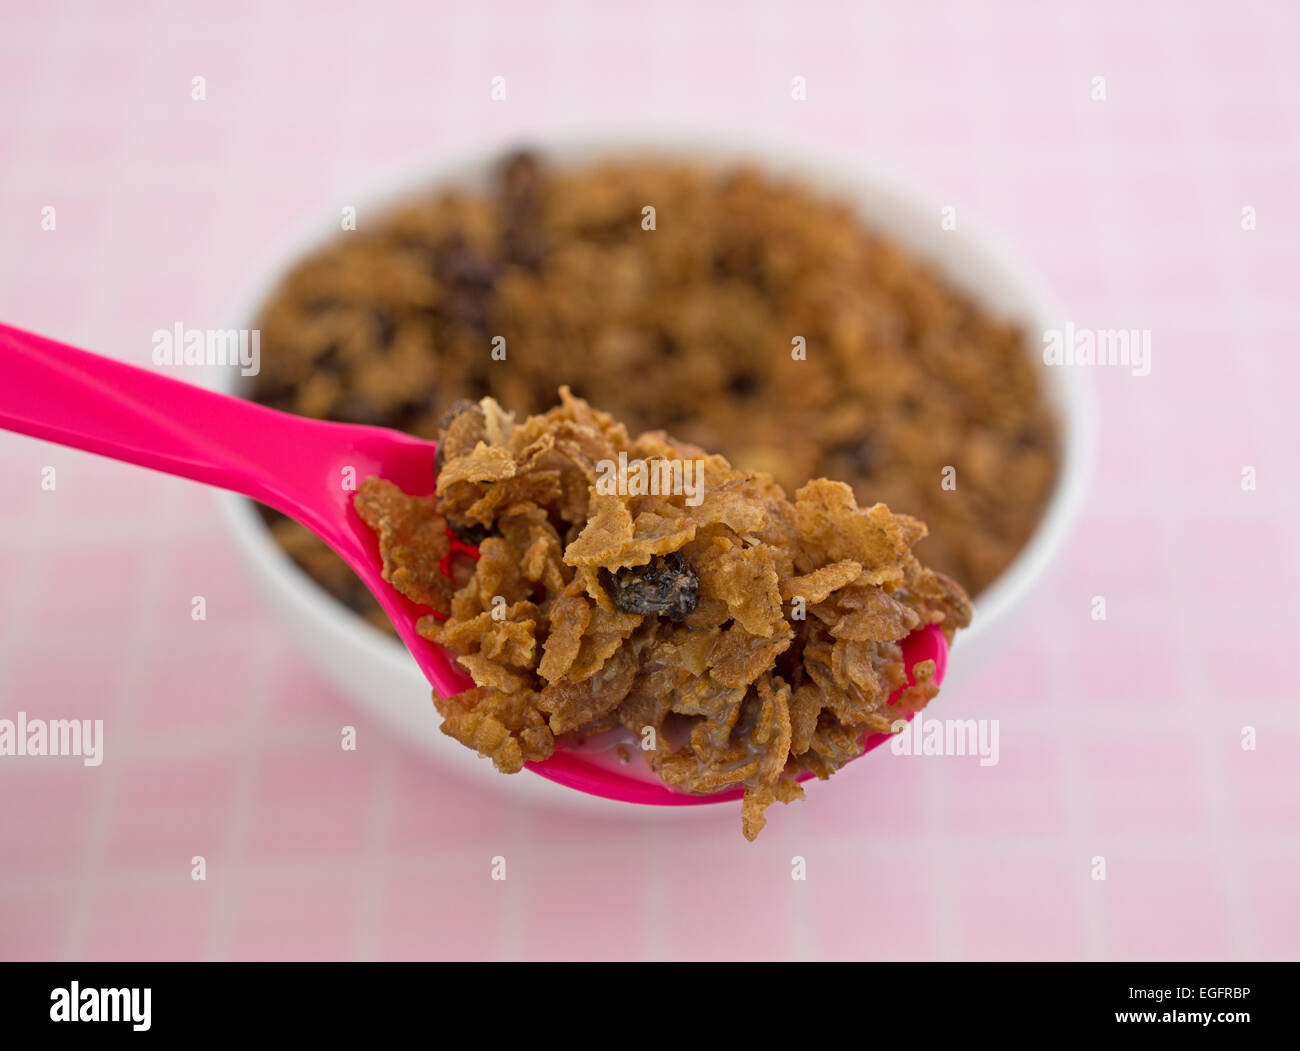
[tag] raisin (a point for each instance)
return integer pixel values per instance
(521, 172)
(742, 384)
(470, 281)
(522, 240)
(667, 586)
(329, 360)
(472, 533)
(385, 325)
(861, 454)
(1031, 438)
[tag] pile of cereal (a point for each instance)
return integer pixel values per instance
(689, 326)
(642, 583)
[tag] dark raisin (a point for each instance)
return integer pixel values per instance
(861, 454)
(471, 533)
(469, 280)
(1031, 438)
(522, 240)
(328, 360)
(520, 174)
(740, 264)
(742, 384)
(458, 264)
(385, 325)
(667, 586)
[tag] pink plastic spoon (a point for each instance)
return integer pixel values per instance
(297, 466)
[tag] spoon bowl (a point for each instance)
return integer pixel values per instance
(307, 469)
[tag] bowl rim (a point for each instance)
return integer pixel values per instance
(835, 174)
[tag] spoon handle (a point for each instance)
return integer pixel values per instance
(56, 392)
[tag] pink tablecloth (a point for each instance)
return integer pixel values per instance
(1119, 739)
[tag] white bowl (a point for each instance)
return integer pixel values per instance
(375, 669)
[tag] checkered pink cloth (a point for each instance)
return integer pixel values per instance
(1119, 739)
